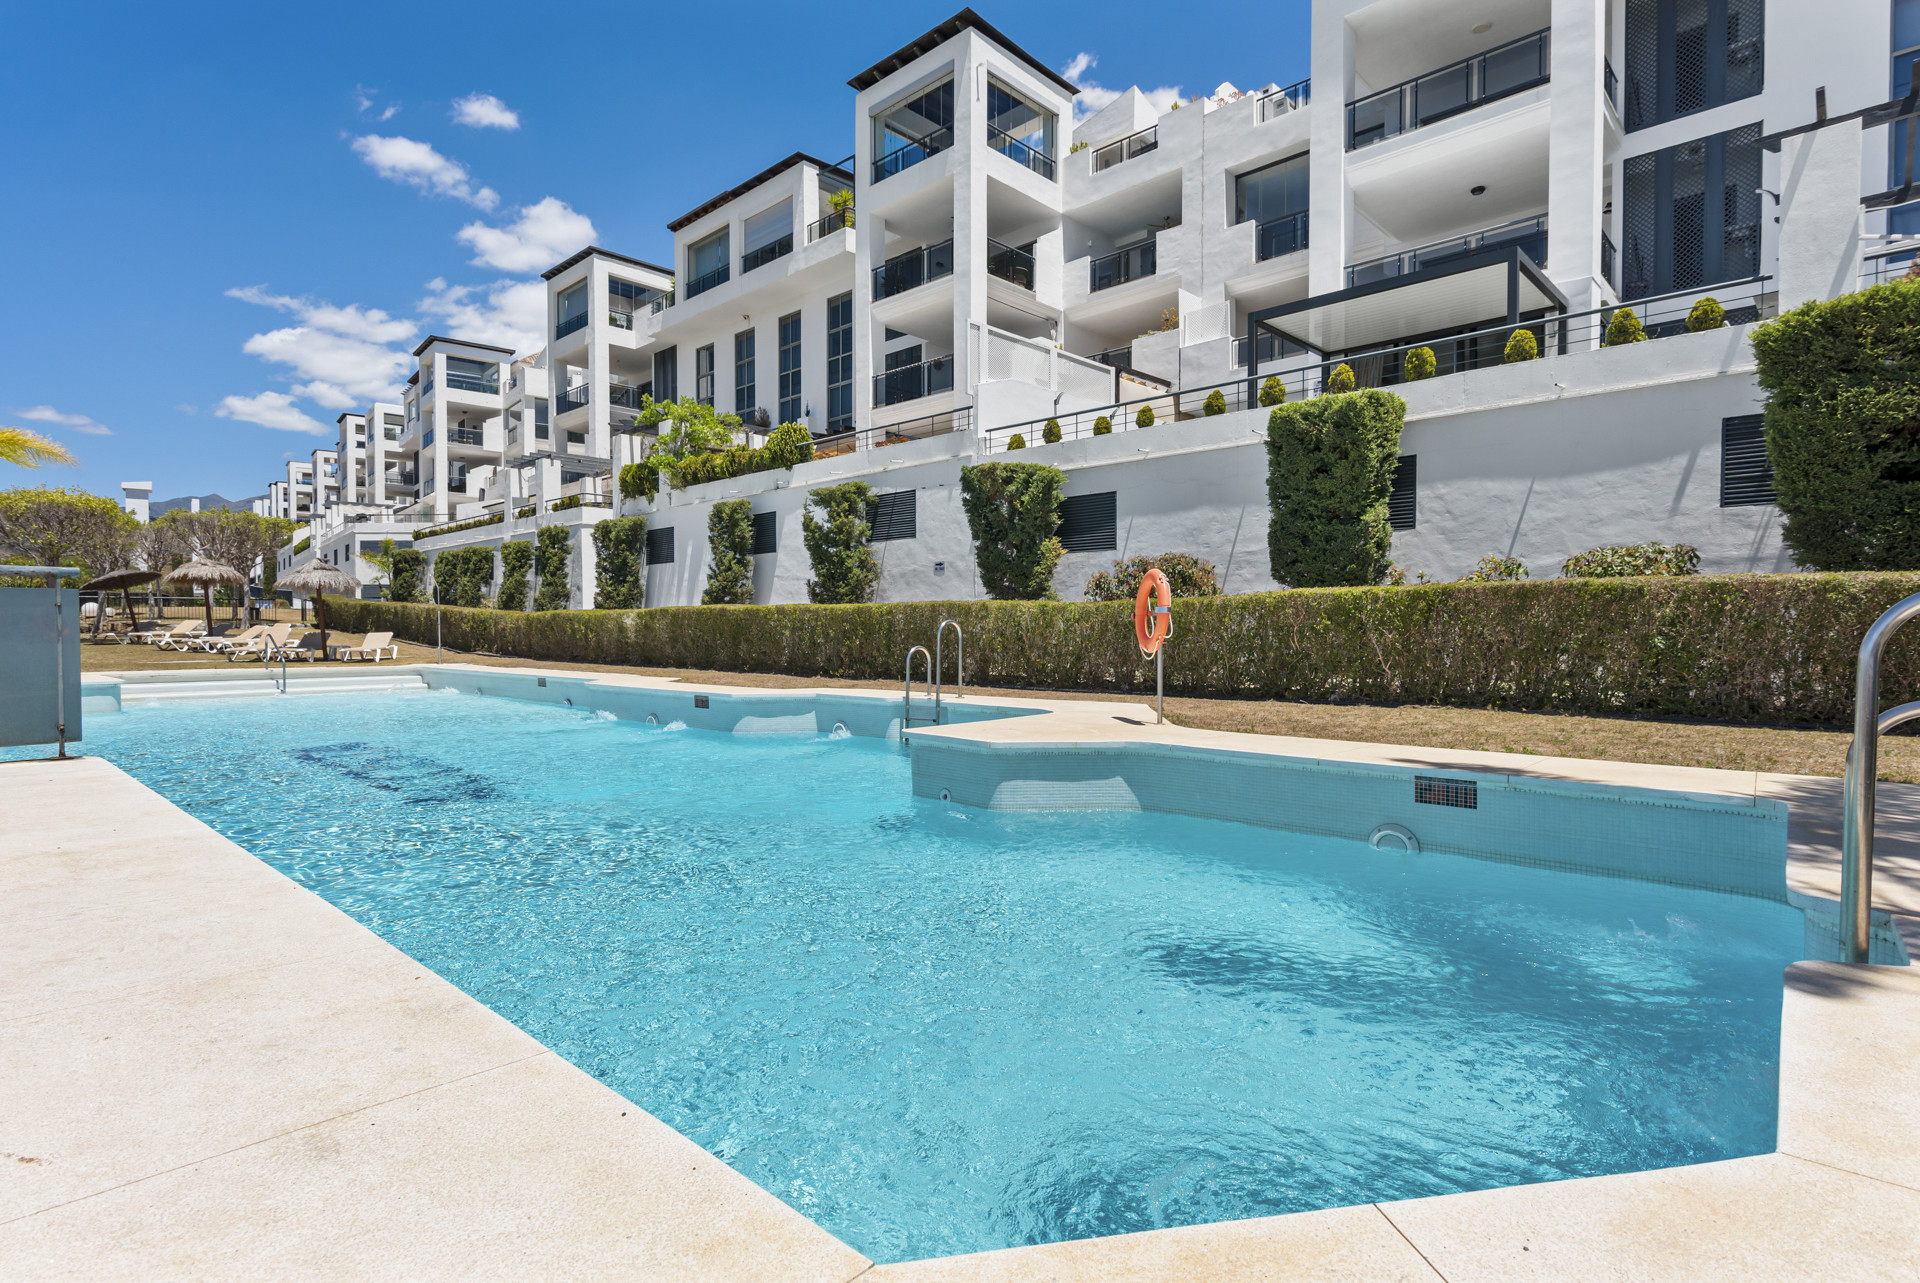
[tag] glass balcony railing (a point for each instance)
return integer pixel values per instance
(466, 436)
(1128, 265)
(1278, 237)
(471, 383)
(1508, 69)
(833, 222)
(662, 303)
(571, 399)
(570, 325)
(1010, 264)
(701, 284)
(626, 396)
(1020, 152)
(1126, 149)
(1281, 101)
(911, 382)
(766, 253)
(1606, 258)
(1613, 86)
(1530, 234)
(913, 269)
(912, 153)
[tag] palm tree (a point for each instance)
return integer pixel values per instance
(30, 449)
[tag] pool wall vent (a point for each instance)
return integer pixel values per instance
(543, 681)
(1394, 837)
(700, 701)
(652, 720)
(946, 795)
(1435, 791)
(840, 728)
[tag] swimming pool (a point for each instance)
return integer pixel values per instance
(935, 1029)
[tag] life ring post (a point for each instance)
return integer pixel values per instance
(1152, 625)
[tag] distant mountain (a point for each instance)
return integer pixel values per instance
(208, 503)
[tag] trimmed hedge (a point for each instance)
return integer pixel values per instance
(1330, 464)
(1758, 648)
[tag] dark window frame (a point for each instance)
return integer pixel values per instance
(791, 400)
(840, 362)
(743, 374)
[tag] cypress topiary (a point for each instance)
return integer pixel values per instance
(730, 574)
(619, 551)
(1706, 314)
(639, 481)
(1418, 364)
(1625, 327)
(1522, 347)
(1144, 419)
(1016, 442)
(550, 563)
(516, 559)
(844, 568)
(1842, 378)
(1216, 403)
(462, 575)
(1102, 426)
(790, 443)
(1051, 433)
(1013, 513)
(1341, 380)
(1330, 465)
(1273, 392)
(404, 583)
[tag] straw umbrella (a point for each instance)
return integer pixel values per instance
(125, 581)
(313, 579)
(204, 575)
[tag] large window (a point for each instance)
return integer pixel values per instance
(1272, 191)
(840, 363)
(708, 264)
(666, 375)
(1906, 51)
(1019, 128)
(571, 309)
(1692, 214)
(1685, 56)
(744, 397)
(766, 236)
(624, 298)
(909, 132)
(473, 376)
(790, 405)
(703, 374)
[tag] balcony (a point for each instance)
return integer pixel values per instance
(911, 382)
(838, 219)
(1613, 85)
(1508, 69)
(913, 269)
(571, 399)
(1281, 101)
(662, 303)
(627, 396)
(1279, 237)
(766, 254)
(912, 153)
(471, 383)
(1606, 258)
(1105, 158)
(569, 326)
(1530, 234)
(701, 284)
(1009, 264)
(466, 436)
(1117, 269)
(1021, 153)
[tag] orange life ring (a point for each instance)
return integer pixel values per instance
(1153, 621)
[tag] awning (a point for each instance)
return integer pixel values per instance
(1470, 290)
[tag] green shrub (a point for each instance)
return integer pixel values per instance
(1341, 380)
(303, 545)
(461, 575)
(1624, 327)
(516, 561)
(1216, 403)
(1330, 464)
(1777, 649)
(1144, 419)
(493, 519)
(637, 481)
(1013, 514)
(1187, 576)
(1051, 433)
(619, 550)
(1843, 427)
(527, 511)
(550, 563)
(844, 567)
(1102, 426)
(717, 465)
(1016, 442)
(1706, 314)
(790, 443)
(403, 582)
(1614, 561)
(730, 574)
(1521, 346)
(1419, 364)
(1494, 569)
(1273, 392)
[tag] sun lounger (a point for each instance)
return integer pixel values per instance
(182, 637)
(220, 644)
(370, 647)
(307, 648)
(142, 632)
(257, 647)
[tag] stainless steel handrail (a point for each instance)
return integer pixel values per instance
(906, 693)
(959, 666)
(274, 648)
(1863, 767)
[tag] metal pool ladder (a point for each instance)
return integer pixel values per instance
(1863, 766)
(959, 662)
(906, 691)
(275, 648)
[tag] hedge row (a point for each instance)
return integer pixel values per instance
(1759, 648)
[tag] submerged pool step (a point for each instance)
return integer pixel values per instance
(297, 684)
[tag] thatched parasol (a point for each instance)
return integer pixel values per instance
(204, 575)
(313, 579)
(125, 581)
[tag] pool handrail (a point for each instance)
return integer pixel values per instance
(906, 695)
(1863, 767)
(959, 663)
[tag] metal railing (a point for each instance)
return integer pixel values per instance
(1277, 102)
(466, 436)
(911, 382)
(1612, 85)
(626, 395)
(827, 225)
(1863, 769)
(571, 399)
(1021, 153)
(959, 419)
(701, 284)
(1530, 234)
(1606, 258)
(1124, 416)
(1888, 263)
(912, 153)
(1128, 264)
(915, 268)
(1115, 356)
(766, 253)
(468, 383)
(661, 304)
(1126, 149)
(1505, 69)
(1278, 237)
(571, 324)
(1009, 264)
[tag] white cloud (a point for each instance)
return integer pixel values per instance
(506, 313)
(344, 355)
(363, 102)
(270, 410)
(1094, 97)
(417, 164)
(541, 236)
(75, 422)
(484, 111)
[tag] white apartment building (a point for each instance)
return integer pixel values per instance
(451, 436)
(1447, 173)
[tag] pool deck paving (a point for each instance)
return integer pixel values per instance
(208, 1071)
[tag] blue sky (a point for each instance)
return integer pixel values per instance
(225, 223)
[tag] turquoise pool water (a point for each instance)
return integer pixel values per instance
(936, 1030)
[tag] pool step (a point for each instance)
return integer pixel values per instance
(297, 684)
